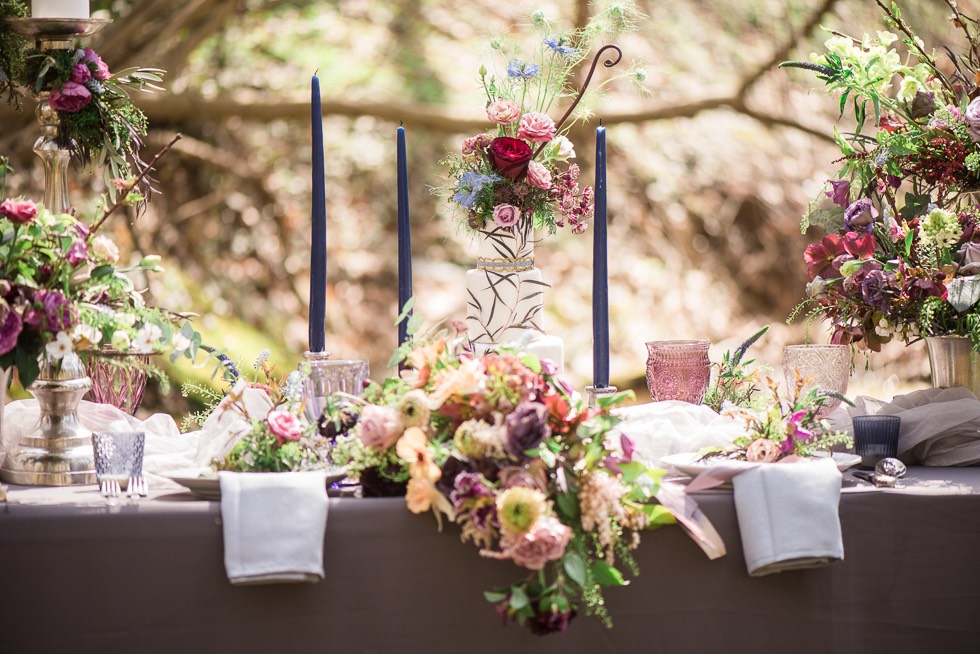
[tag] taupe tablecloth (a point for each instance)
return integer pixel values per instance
(76, 576)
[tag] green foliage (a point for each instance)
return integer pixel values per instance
(734, 383)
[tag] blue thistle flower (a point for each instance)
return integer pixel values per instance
(555, 44)
(469, 185)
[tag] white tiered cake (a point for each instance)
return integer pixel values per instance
(505, 295)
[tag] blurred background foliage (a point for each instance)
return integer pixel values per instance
(708, 176)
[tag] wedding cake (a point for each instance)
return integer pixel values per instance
(505, 295)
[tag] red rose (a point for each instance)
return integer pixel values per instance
(509, 156)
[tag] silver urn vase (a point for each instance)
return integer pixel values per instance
(954, 362)
(57, 450)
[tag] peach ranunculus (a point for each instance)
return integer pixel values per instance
(413, 448)
(762, 450)
(469, 378)
(538, 175)
(422, 495)
(536, 127)
(503, 112)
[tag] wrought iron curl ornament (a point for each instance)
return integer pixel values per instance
(608, 63)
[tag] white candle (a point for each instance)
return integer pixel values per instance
(59, 9)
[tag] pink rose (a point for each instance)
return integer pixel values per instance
(18, 211)
(564, 149)
(101, 71)
(536, 127)
(503, 112)
(538, 175)
(284, 426)
(379, 426)
(506, 215)
(476, 146)
(71, 98)
(545, 541)
(81, 73)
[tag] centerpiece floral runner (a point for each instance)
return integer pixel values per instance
(503, 447)
(901, 255)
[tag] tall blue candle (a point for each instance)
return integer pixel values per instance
(600, 275)
(404, 238)
(318, 219)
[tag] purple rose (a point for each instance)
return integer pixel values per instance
(10, 328)
(71, 98)
(18, 211)
(99, 70)
(972, 118)
(525, 427)
(860, 216)
(877, 290)
(81, 73)
(840, 192)
(77, 254)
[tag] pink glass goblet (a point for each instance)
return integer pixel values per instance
(678, 370)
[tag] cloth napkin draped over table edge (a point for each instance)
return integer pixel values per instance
(273, 525)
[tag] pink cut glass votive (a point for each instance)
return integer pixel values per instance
(678, 370)
(827, 366)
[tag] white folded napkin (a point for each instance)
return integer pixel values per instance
(273, 526)
(940, 426)
(787, 514)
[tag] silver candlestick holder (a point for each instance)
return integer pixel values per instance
(52, 34)
(593, 393)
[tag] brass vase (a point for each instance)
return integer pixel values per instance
(954, 362)
(57, 450)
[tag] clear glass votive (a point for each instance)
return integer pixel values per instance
(118, 455)
(827, 366)
(876, 438)
(678, 370)
(329, 376)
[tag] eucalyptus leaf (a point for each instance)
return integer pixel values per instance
(518, 598)
(574, 566)
(606, 575)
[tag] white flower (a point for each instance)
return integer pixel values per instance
(86, 335)
(126, 319)
(104, 249)
(564, 149)
(60, 346)
(908, 88)
(180, 342)
(884, 328)
(886, 38)
(147, 339)
(257, 403)
(120, 340)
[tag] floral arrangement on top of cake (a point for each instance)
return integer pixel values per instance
(499, 444)
(902, 252)
(520, 175)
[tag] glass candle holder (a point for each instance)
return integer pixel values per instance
(329, 376)
(118, 455)
(827, 367)
(876, 438)
(678, 370)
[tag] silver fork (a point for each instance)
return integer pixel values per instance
(137, 486)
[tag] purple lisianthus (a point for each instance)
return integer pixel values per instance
(77, 254)
(877, 290)
(860, 216)
(840, 192)
(58, 310)
(71, 98)
(10, 328)
(81, 73)
(525, 427)
(100, 70)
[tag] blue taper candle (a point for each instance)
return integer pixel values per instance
(600, 274)
(404, 238)
(318, 219)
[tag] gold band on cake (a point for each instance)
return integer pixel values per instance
(505, 265)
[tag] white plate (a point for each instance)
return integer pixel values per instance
(689, 464)
(209, 488)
